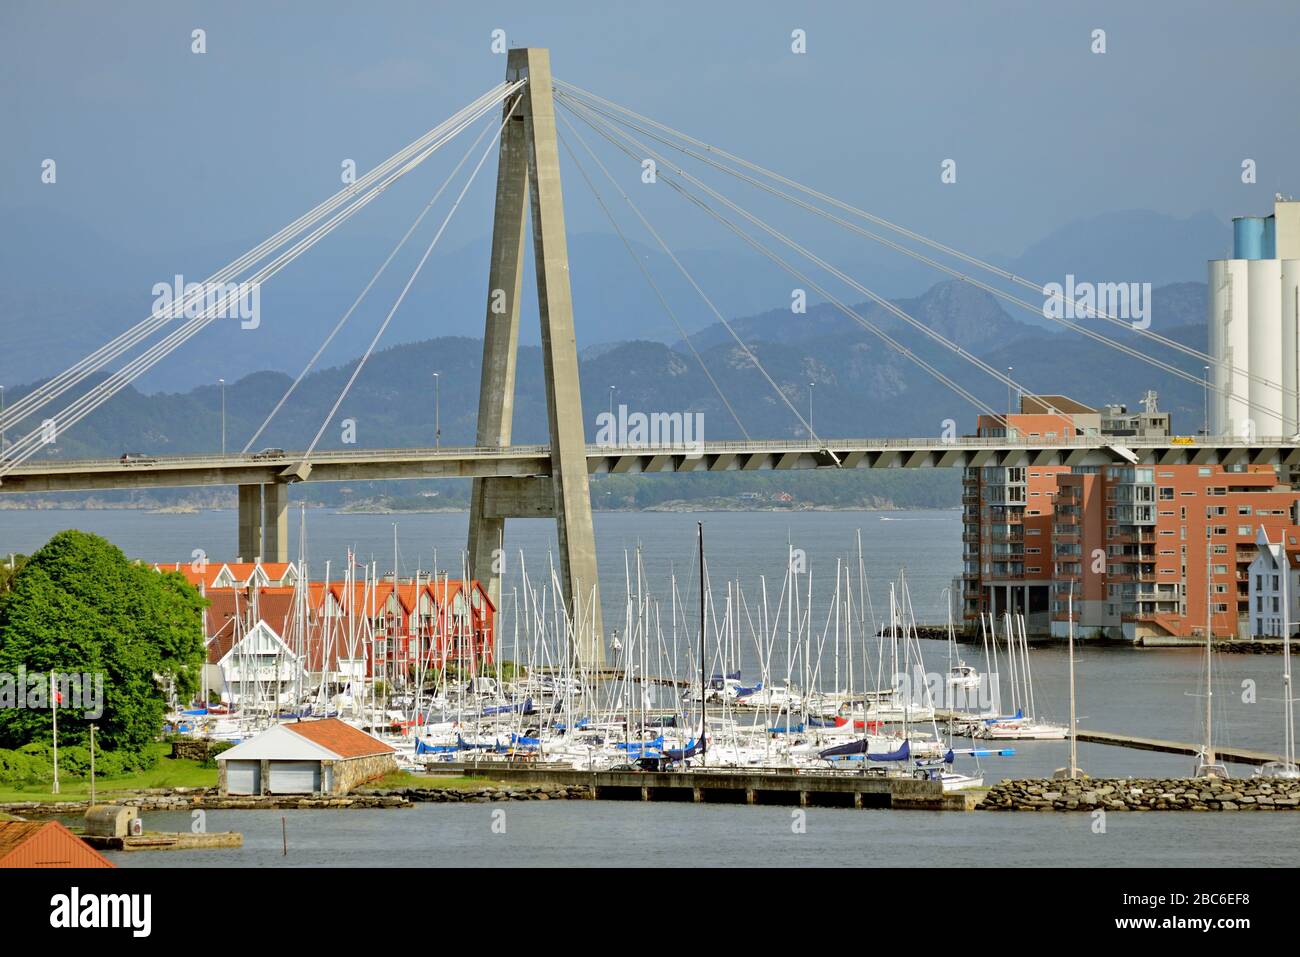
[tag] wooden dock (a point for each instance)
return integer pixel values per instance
(1234, 755)
(1140, 743)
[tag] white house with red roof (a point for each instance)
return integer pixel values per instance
(326, 756)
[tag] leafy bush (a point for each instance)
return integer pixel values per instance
(213, 750)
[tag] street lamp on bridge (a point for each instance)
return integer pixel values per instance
(437, 410)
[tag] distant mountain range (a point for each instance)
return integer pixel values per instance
(861, 386)
(67, 287)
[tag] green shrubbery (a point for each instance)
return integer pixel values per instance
(33, 764)
(213, 750)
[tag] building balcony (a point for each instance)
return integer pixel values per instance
(1133, 538)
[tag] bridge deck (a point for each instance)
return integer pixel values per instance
(53, 475)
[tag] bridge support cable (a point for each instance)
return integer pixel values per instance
(1128, 350)
(648, 277)
(383, 326)
(24, 448)
(362, 295)
(606, 129)
(691, 279)
(58, 384)
(881, 301)
(1203, 357)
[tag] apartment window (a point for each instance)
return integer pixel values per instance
(1243, 529)
(1220, 569)
(1243, 509)
(1166, 493)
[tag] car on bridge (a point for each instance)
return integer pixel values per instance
(137, 458)
(265, 454)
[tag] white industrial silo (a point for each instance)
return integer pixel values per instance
(1229, 327)
(1264, 278)
(1290, 347)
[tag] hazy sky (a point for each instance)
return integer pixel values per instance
(157, 145)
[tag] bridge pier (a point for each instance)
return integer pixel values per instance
(528, 172)
(264, 522)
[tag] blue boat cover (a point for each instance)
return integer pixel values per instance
(693, 747)
(860, 747)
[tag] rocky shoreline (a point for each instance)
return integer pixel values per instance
(184, 799)
(1144, 794)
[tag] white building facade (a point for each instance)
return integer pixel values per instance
(1275, 584)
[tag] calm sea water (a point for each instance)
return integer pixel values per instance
(1153, 692)
(604, 833)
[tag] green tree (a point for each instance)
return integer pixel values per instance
(10, 566)
(80, 606)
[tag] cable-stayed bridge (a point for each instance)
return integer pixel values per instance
(526, 120)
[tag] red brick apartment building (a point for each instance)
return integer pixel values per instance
(1132, 543)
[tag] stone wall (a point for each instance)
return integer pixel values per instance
(1131, 794)
(353, 772)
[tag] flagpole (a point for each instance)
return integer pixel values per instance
(54, 718)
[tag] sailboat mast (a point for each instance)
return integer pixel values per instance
(1209, 650)
(1074, 738)
(1289, 737)
(703, 701)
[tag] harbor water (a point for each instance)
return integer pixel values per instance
(1150, 692)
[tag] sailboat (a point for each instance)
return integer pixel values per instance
(1206, 764)
(1286, 768)
(961, 676)
(1073, 771)
(1021, 726)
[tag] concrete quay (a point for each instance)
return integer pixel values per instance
(749, 786)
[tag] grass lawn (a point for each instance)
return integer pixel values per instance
(165, 774)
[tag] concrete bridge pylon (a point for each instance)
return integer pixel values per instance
(528, 188)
